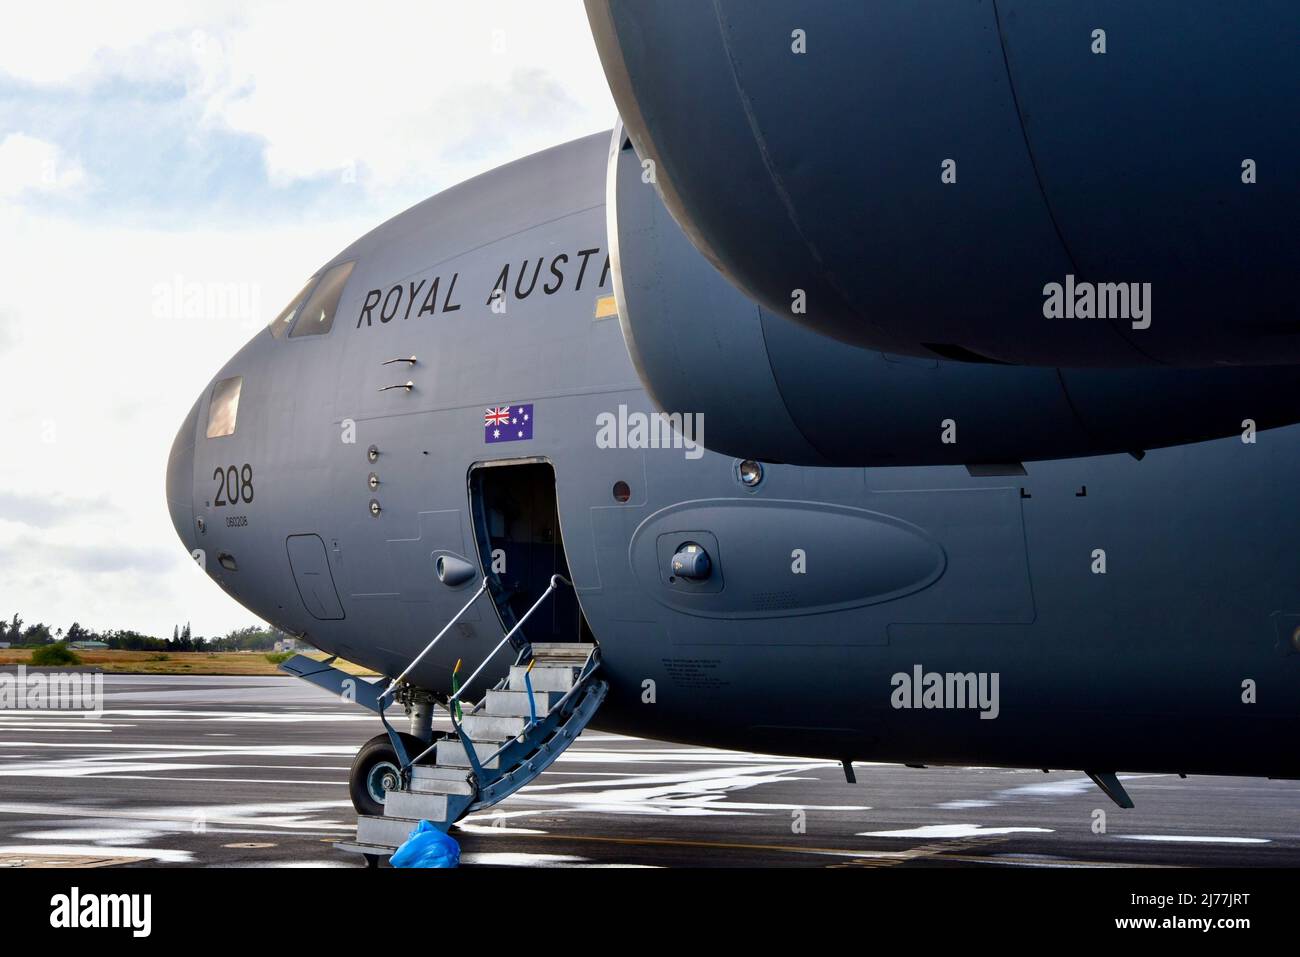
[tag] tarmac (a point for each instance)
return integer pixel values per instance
(252, 772)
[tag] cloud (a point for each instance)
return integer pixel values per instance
(152, 146)
(77, 41)
(410, 93)
(48, 510)
(8, 329)
(114, 586)
(280, 110)
(28, 164)
(114, 559)
(93, 393)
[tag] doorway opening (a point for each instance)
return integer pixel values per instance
(520, 546)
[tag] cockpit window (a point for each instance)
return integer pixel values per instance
(224, 407)
(281, 323)
(316, 317)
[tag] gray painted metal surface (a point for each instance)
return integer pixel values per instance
(1115, 158)
(769, 388)
(1142, 667)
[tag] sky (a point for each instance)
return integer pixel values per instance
(150, 146)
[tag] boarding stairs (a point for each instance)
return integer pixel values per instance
(497, 745)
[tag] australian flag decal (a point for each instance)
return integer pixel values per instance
(507, 423)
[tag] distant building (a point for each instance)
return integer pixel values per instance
(6, 644)
(87, 645)
(288, 644)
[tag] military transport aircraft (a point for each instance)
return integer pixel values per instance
(525, 451)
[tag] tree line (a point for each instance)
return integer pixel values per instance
(254, 638)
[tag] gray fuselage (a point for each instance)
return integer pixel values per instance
(828, 583)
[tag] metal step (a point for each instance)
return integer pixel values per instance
(442, 792)
(544, 677)
(356, 847)
(497, 728)
(542, 745)
(419, 805)
(451, 753)
(516, 702)
(575, 652)
(385, 831)
(431, 779)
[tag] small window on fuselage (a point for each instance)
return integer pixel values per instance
(224, 407)
(281, 323)
(316, 317)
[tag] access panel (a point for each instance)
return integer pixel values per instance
(311, 571)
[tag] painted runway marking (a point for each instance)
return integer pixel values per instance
(300, 815)
(917, 853)
(106, 834)
(514, 859)
(955, 830)
(1190, 839)
(28, 859)
(719, 845)
(684, 793)
(162, 855)
(1066, 788)
(1049, 861)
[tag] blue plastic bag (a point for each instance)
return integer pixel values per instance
(427, 847)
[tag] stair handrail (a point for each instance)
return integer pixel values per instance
(451, 701)
(555, 579)
(436, 638)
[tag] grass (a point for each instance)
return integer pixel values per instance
(171, 663)
(58, 655)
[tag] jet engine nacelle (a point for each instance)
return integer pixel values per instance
(1054, 184)
(771, 389)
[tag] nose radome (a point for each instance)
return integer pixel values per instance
(180, 479)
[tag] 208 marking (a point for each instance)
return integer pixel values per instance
(237, 483)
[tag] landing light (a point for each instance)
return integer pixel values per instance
(453, 571)
(691, 562)
(750, 473)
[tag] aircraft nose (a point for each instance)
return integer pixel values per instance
(180, 479)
